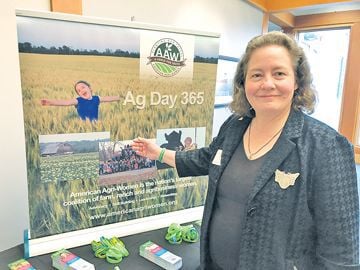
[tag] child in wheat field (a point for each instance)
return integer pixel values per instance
(87, 104)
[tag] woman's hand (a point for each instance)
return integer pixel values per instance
(146, 148)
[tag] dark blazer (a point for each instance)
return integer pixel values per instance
(313, 224)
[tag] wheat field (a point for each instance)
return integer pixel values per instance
(53, 77)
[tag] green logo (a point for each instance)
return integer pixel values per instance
(166, 57)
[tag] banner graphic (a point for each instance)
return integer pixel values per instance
(88, 89)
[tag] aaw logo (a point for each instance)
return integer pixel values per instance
(166, 57)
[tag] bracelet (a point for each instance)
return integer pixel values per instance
(177, 233)
(174, 234)
(112, 249)
(161, 155)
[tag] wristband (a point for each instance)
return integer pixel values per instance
(112, 249)
(190, 234)
(177, 233)
(174, 234)
(161, 155)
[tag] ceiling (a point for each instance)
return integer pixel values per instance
(326, 8)
(318, 9)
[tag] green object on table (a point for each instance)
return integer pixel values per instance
(177, 233)
(112, 249)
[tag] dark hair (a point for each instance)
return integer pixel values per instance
(81, 81)
(304, 98)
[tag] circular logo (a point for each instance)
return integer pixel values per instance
(166, 57)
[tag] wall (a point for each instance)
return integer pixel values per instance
(13, 192)
(235, 20)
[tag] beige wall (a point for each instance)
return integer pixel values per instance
(235, 20)
(39, 5)
(13, 191)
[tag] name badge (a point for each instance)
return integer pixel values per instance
(217, 158)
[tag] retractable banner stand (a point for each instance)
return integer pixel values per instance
(89, 87)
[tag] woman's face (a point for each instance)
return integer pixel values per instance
(270, 81)
(83, 91)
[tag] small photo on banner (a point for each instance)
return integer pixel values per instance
(120, 164)
(180, 139)
(71, 156)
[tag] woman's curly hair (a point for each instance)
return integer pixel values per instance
(304, 98)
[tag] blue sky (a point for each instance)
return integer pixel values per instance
(47, 33)
(79, 35)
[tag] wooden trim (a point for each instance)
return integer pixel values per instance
(281, 6)
(276, 6)
(351, 91)
(260, 4)
(283, 19)
(322, 27)
(265, 23)
(67, 6)
(326, 19)
(357, 125)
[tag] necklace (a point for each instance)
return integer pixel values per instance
(251, 155)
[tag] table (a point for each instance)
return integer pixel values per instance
(188, 251)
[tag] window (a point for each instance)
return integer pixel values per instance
(327, 52)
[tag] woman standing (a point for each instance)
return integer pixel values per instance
(282, 190)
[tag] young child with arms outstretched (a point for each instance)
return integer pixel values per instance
(87, 104)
